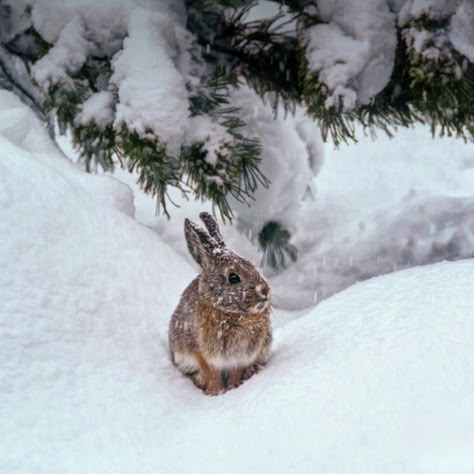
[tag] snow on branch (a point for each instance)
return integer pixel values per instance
(66, 57)
(98, 108)
(352, 47)
(215, 138)
(152, 92)
(461, 31)
(352, 50)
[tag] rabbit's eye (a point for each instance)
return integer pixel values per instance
(233, 278)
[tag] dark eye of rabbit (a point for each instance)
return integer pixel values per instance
(233, 278)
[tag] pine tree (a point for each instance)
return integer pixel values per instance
(62, 74)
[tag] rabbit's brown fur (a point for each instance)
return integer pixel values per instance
(220, 332)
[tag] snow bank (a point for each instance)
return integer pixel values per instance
(381, 206)
(85, 293)
(379, 378)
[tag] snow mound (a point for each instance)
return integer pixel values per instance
(84, 289)
(381, 206)
(379, 378)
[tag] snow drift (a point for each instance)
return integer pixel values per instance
(379, 378)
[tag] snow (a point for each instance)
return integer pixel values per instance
(13, 20)
(265, 9)
(461, 30)
(353, 50)
(378, 378)
(158, 74)
(106, 20)
(214, 137)
(292, 154)
(66, 57)
(98, 108)
(151, 76)
(380, 206)
(416, 8)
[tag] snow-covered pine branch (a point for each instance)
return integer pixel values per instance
(152, 85)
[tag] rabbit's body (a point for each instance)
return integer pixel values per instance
(225, 340)
(221, 327)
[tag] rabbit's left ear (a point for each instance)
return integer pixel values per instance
(201, 245)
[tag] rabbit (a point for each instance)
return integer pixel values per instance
(220, 332)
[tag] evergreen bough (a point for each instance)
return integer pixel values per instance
(269, 56)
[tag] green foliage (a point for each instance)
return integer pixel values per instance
(264, 53)
(156, 169)
(448, 102)
(333, 120)
(97, 146)
(236, 171)
(274, 241)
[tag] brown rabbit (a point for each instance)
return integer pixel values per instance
(220, 332)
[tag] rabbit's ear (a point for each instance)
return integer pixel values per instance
(213, 228)
(200, 245)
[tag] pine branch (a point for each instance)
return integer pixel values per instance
(438, 91)
(274, 242)
(235, 173)
(265, 53)
(22, 85)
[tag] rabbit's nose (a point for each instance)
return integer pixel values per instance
(263, 290)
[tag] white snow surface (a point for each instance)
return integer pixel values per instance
(354, 51)
(379, 378)
(215, 137)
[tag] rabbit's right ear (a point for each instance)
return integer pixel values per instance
(213, 228)
(200, 244)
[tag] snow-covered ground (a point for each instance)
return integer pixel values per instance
(378, 378)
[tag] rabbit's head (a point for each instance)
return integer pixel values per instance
(227, 282)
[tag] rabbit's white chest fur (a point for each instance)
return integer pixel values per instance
(189, 363)
(231, 362)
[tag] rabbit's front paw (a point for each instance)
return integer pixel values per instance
(251, 370)
(198, 380)
(214, 387)
(210, 384)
